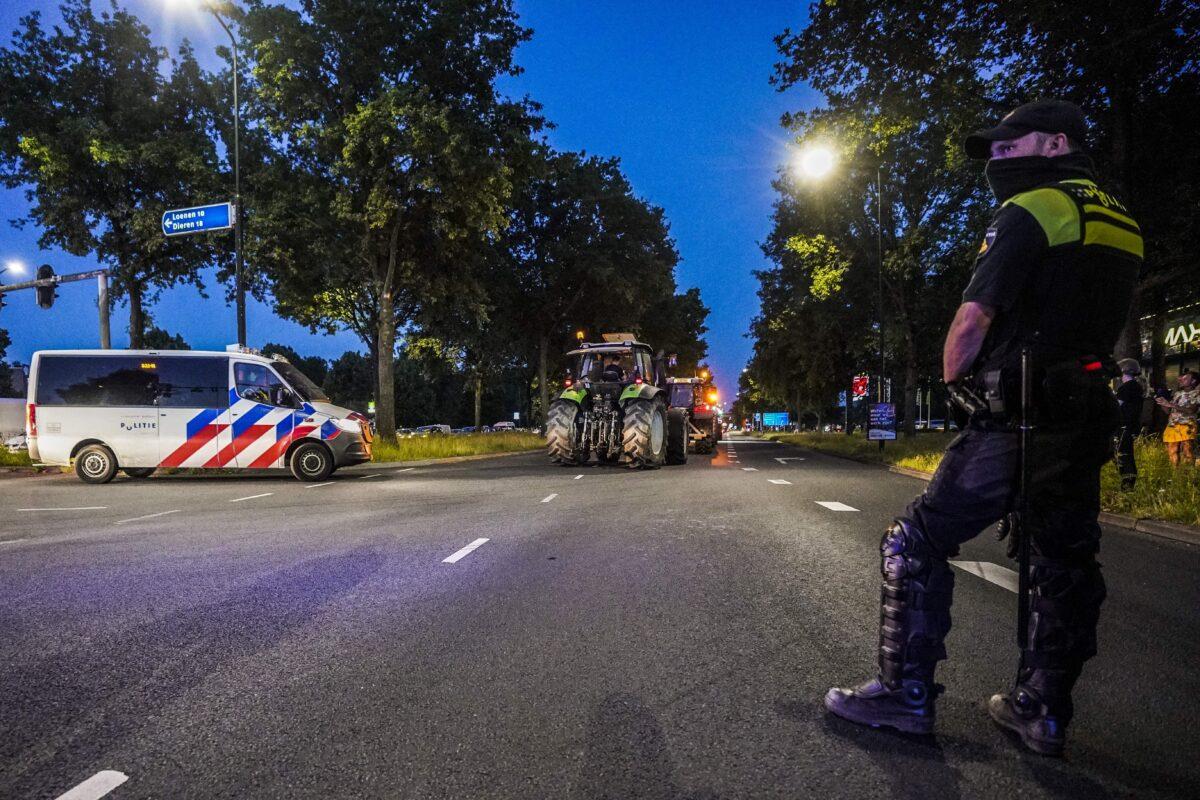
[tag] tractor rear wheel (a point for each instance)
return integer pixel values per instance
(562, 433)
(677, 435)
(644, 436)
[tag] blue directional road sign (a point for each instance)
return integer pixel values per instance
(198, 219)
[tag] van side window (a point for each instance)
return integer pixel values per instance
(258, 383)
(193, 382)
(97, 381)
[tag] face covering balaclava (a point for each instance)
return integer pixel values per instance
(1011, 176)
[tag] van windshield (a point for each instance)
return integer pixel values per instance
(308, 390)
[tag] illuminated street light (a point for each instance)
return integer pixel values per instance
(815, 161)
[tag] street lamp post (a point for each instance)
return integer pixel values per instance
(239, 285)
(879, 257)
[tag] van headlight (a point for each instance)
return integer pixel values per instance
(348, 425)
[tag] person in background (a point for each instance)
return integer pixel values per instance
(1182, 430)
(1130, 395)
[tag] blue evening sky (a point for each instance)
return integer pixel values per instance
(677, 90)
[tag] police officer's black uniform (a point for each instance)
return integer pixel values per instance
(1058, 264)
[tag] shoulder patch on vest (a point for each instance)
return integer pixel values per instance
(1055, 212)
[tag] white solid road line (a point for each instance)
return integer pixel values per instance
(148, 516)
(834, 505)
(14, 541)
(992, 573)
(319, 485)
(779, 482)
(551, 497)
(96, 786)
(76, 508)
(577, 477)
(746, 441)
(464, 552)
(252, 497)
(376, 475)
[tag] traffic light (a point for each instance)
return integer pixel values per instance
(46, 294)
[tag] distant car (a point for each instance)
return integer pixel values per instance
(485, 429)
(466, 429)
(432, 430)
(17, 443)
(504, 426)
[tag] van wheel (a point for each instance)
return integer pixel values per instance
(311, 462)
(138, 472)
(95, 464)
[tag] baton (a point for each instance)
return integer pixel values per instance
(1023, 532)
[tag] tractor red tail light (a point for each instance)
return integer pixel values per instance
(31, 415)
(701, 407)
(638, 380)
(568, 382)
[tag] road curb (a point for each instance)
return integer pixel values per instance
(1175, 531)
(428, 462)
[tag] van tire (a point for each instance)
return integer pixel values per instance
(311, 461)
(95, 464)
(138, 472)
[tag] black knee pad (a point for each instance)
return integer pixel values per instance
(915, 604)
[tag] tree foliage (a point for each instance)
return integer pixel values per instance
(103, 140)
(901, 85)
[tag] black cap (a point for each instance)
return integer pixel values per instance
(1047, 116)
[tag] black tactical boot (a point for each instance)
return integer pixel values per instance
(908, 708)
(1028, 717)
(914, 618)
(1039, 709)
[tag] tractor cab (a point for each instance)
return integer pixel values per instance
(611, 365)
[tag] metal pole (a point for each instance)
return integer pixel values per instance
(102, 304)
(879, 255)
(239, 285)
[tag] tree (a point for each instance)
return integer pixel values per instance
(350, 380)
(391, 146)
(913, 78)
(103, 143)
(158, 339)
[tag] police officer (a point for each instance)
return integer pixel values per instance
(1055, 274)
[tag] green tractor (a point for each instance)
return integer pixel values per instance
(614, 405)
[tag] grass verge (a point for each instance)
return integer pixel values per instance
(20, 459)
(467, 444)
(1162, 491)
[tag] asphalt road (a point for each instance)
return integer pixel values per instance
(667, 634)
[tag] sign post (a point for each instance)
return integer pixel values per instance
(881, 422)
(197, 219)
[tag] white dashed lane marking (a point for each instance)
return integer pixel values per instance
(463, 553)
(834, 505)
(376, 475)
(749, 469)
(406, 469)
(319, 485)
(75, 508)
(549, 498)
(148, 516)
(992, 573)
(96, 786)
(577, 477)
(14, 541)
(786, 459)
(779, 482)
(252, 497)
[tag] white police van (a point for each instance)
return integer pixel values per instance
(138, 410)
